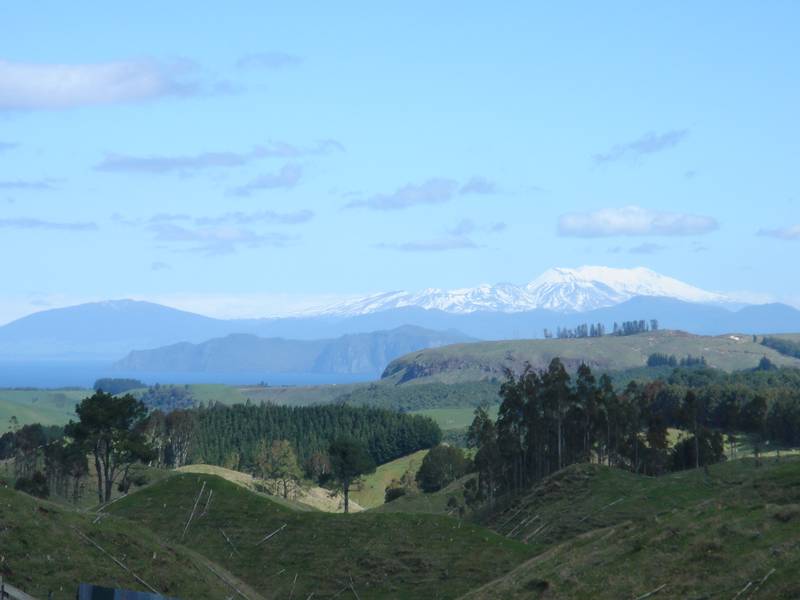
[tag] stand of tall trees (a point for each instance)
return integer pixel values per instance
(233, 436)
(549, 420)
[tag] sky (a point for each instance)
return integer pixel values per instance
(269, 157)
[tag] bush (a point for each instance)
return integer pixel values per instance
(442, 465)
(711, 451)
(35, 485)
(393, 492)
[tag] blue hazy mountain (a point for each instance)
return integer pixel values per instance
(110, 330)
(363, 353)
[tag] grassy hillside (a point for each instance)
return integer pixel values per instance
(379, 555)
(604, 533)
(48, 407)
(373, 487)
(434, 504)
(44, 549)
(486, 360)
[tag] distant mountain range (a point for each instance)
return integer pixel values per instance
(110, 330)
(559, 290)
(365, 353)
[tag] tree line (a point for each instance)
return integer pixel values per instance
(596, 330)
(115, 433)
(548, 420)
(658, 359)
(229, 436)
(782, 345)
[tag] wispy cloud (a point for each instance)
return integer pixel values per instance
(790, 233)
(264, 216)
(217, 240)
(468, 227)
(432, 191)
(160, 266)
(649, 143)
(455, 238)
(269, 60)
(6, 146)
(30, 184)
(29, 86)
(287, 177)
(185, 164)
(633, 221)
(32, 223)
(479, 185)
(435, 245)
(647, 248)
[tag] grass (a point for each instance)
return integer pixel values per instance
(379, 555)
(482, 360)
(434, 504)
(48, 407)
(44, 549)
(454, 418)
(603, 533)
(370, 492)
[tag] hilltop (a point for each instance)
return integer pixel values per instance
(377, 555)
(50, 548)
(487, 360)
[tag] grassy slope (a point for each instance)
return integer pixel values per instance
(48, 407)
(42, 552)
(454, 418)
(371, 490)
(604, 533)
(434, 504)
(383, 555)
(469, 362)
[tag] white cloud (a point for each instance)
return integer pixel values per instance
(649, 143)
(790, 233)
(56, 86)
(633, 221)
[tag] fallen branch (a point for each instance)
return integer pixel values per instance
(291, 594)
(653, 593)
(208, 503)
(120, 563)
(226, 582)
(194, 508)
(530, 535)
(227, 539)
(743, 590)
(617, 501)
(760, 583)
(353, 588)
(268, 536)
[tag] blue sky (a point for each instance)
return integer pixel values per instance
(252, 160)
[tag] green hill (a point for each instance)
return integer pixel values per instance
(487, 360)
(604, 533)
(48, 407)
(46, 548)
(379, 555)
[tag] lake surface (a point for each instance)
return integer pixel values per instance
(53, 374)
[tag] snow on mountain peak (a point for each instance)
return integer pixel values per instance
(559, 289)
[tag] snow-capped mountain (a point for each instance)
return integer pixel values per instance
(559, 289)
